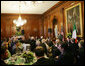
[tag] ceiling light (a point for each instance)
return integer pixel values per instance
(19, 21)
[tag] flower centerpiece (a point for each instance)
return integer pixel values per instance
(69, 35)
(60, 37)
(18, 31)
(29, 56)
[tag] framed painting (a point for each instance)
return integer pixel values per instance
(73, 16)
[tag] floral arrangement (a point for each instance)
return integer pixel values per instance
(18, 33)
(29, 56)
(69, 35)
(60, 37)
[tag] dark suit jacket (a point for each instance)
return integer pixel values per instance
(81, 56)
(65, 59)
(44, 46)
(33, 44)
(42, 61)
(50, 43)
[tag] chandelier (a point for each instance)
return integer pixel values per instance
(19, 22)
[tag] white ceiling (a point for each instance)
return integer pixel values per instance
(13, 7)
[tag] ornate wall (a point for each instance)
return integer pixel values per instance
(34, 25)
(58, 10)
(38, 25)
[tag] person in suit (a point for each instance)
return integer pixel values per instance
(44, 45)
(55, 54)
(81, 52)
(39, 52)
(32, 43)
(55, 51)
(66, 57)
(50, 43)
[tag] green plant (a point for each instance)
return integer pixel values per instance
(18, 33)
(28, 56)
(69, 35)
(60, 37)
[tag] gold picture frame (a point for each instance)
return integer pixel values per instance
(74, 13)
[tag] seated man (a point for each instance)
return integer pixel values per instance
(39, 52)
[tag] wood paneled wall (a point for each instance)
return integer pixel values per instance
(33, 27)
(38, 25)
(58, 10)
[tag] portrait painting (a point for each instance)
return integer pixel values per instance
(73, 16)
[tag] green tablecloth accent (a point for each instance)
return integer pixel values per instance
(19, 60)
(9, 54)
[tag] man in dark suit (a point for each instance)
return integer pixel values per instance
(39, 52)
(81, 52)
(32, 43)
(66, 57)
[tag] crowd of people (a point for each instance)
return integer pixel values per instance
(47, 51)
